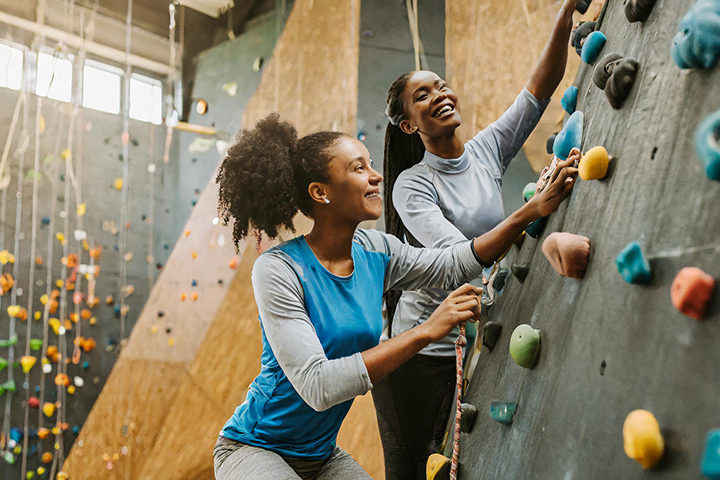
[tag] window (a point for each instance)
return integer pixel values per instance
(54, 77)
(145, 99)
(101, 87)
(11, 67)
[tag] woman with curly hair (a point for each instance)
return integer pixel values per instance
(320, 298)
(440, 192)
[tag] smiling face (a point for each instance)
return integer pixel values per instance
(354, 186)
(430, 106)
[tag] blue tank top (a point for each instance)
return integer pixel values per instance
(346, 315)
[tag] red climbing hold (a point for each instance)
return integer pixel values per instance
(691, 291)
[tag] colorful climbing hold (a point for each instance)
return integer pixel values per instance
(529, 191)
(33, 402)
(707, 145)
(710, 462)
(567, 253)
(580, 34)
(632, 264)
(594, 164)
(48, 409)
(691, 292)
(536, 228)
(47, 457)
(10, 341)
(502, 411)
(6, 282)
(35, 344)
(569, 99)
(570, 136)
(27, 362)
(233, 262)
(638, 10)
(62, 379)
(8, 386)
(697, 41)
(118, 183)
(43, 433)
(437, 467)
(13, 310)
(3, 364)
(183, 296)
(468, 415)
(592, 46)
(490, 334)
(194, 296)
(642, 438)
(525, 345)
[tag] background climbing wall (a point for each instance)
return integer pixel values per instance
(608, 347)
(168, 403)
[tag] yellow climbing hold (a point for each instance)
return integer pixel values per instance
(60, 237)
(62, 476)
(93, 320)
(27, 362)
(6, 257)
(71, 389)
(81, 209)
(437, 467)
(49, 409)
(594, 164)
(37, 315)
(65, 154)
(44, 299)
(118, 183)
(41, 124)
(642, 438)
(13, 310)
(171, 342)
(194, 255)
(154, 329)
(55, 324)
(40, 470)
(59, 283)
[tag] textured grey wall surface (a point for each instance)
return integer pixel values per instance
(571, 411)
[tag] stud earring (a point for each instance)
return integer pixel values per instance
(326, 200)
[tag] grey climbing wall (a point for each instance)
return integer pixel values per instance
(609, 347)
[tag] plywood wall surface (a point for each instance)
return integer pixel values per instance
(491, 49)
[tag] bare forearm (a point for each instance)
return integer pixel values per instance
(551, 67)
(495, 242)
(389, 355)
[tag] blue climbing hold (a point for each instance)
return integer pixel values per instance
(592, 46)
(697, 42)
(569, 99)
(46, 220)
(707, 145)
(75, 430)
(569, 137)
(710, 463)
(32, 450)
(503, 412)
(536, 228)
(37, 389)
(86, 365)
(16, 434)
(632, 264)
(194, 283)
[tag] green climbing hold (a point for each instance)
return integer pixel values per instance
(503, 412)
(3, 364)
(8, 386)
(11, 341)
(525, 345)
(529, 191)
(9, 457)
(35, 344)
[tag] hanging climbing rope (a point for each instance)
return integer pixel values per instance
(459, 344)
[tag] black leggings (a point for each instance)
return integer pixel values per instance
(413, 405)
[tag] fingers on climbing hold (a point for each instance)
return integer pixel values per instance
(697, 41)
(580, 34)
(567, 253)
(604, 69)
(707, 145)
(437, 467)
(525, 345)
(468, 415)
(569, 137)
(638, 10)
(582, 6)
(490, 334)
(569, 99)
(691, 292)
(594, 164)
(503, 412)
(710, 462)
(632, 264)
(642, 439)
(621, 82)
(592, 46)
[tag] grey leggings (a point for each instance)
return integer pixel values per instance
(237, 461)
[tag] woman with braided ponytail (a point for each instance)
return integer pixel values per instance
(320, 298)
(440, 192)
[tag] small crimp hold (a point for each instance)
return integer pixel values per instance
(638, 10)
(632, 264)
(468, 415)
(503, 412)
(437, 467)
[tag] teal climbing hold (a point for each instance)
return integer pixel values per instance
(10, 341)
(569, 99)
(632, 264)
(536, 228)
(697, 41)
(503, 412)
(529, 191)
(569, 137)
(707, 145)
(710, 463)
(592, 46)
(525, 345)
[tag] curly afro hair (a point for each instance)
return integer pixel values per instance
(263, 181)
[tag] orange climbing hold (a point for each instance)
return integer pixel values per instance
(38, 260)
(62, 379)
(85, 314)
(691, 292)
(43, 433)
(74, 317)
(194, 296)
(187, 233)
(22, 314)
(183, 297)
(233, 262)
(109, 299)
(47, 457)
(6, 282)
(52, 353)
(194, 255)
(95, 252)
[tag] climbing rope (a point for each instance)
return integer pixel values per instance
(459, 344)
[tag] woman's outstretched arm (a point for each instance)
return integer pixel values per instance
(551, 67)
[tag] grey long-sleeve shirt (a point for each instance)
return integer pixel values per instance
(446, 201)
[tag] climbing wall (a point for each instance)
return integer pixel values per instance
(609, 347)
(491, 49)
(166, 403)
